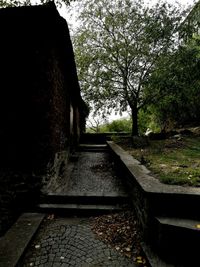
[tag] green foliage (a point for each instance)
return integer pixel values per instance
(177, 79)
(13, 3)
(143, 121)
(10, 3)
(100, 126)
(95, 122)
(148, 121)
(172, 161)
(177, 165)
(154, 124)
(121, 125)
(117, 46)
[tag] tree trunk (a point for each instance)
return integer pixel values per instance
(134, 113)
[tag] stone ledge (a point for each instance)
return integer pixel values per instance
(143, 177)
(78, 209)
(16, 240)
(184, 223)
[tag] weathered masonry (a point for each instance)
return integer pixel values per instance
(41, 110)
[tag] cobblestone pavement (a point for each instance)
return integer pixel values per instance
(91, 174)
(70, 242)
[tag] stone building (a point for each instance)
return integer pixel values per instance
(41, 109)
(40, 104)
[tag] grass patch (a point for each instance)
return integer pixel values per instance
(172, 161)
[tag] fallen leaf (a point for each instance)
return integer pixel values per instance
(51, 217)
(120, 230)
(128, 255)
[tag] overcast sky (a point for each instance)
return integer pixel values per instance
(64, 12)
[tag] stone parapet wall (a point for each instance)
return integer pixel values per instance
(152, 198)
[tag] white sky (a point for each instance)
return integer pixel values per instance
(69, 13)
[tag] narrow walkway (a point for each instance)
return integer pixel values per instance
(65, 241)
(92, 173)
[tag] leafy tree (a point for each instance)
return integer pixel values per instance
(98, 124)
(117, 46)
(178, 75)
(95, 122)
(143, 121)
(121, 125)
(13, 3)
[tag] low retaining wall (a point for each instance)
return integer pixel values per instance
(149, 196)
(130, 170)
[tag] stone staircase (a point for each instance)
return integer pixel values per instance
(80, 205)
(86, 203)
(65, 204)
(169, 215)
(171, 212)
(93, 147)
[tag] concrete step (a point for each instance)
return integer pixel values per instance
(100, 138)
(78, 209)
(16, 240)
(90, 138)
(177, 240)
(93, 147)
(84, 199)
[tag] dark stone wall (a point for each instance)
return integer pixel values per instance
(50, 111)
(38, 82)
(38, 85)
